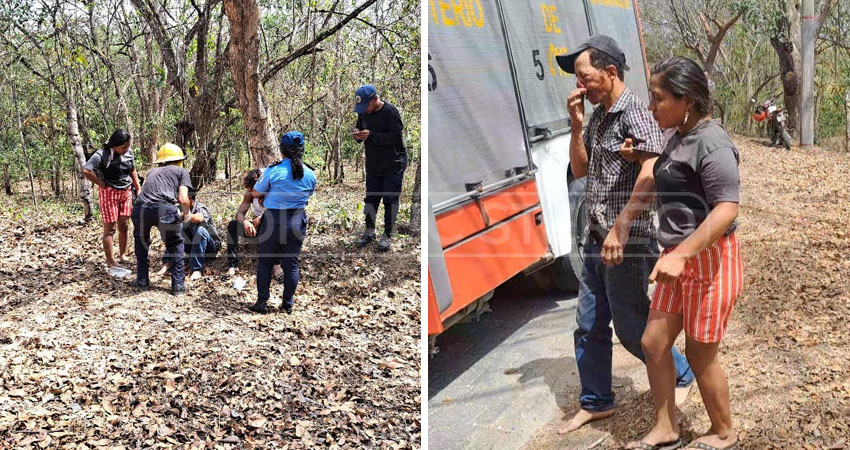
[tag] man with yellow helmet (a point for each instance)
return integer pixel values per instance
(166, 187)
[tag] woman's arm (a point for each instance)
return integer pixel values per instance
(135, 176)
(91, 176)
(671, 265)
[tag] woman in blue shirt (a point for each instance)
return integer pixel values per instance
(286, 187)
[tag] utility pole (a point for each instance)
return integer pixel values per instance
(807, 107)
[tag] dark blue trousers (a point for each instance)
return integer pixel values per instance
(165, 218)
(618, 293)
(280, 237)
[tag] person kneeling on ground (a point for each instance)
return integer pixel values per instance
(201, 235)
(166, 187)
(244, 228)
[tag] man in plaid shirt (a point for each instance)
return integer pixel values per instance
(616, 153)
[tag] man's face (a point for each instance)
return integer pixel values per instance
(373, 105)
(597, 82)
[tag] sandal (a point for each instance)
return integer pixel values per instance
(672, 445)
(704, 446)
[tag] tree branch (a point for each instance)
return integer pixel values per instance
(306, 49)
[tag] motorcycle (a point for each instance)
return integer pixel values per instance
(776, 118)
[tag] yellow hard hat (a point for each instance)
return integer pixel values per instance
(169, 152)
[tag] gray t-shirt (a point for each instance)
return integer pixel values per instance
(162, 183)
(116, 170)
(695, 172)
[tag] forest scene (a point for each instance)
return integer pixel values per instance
(90, 361)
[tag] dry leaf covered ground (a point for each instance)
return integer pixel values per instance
(88, 362)
(788, 345)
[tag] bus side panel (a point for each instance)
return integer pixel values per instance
(617, 18)
(483, 262)
(460, 223)
(435, 325)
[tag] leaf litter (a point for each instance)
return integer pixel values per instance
(87, 362)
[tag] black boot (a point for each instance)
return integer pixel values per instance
(259, 307)
(179, 290)
(367, 237)
(141, 284)
(384, 243)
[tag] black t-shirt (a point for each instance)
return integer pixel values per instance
(116, 170)
(695, 172)
(385, 152)
(162, 184)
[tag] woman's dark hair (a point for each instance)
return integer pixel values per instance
(683, 77)
(119, 137)
(251, 178)
(296, 154)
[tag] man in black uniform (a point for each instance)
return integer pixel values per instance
(379, 127)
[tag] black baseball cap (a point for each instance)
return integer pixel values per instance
(601, 42)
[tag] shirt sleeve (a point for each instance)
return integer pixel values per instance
(204, 211)
(263, 185)
(393, 134)
(639, 125)
(720, 177)
(93, 163)
(185, 179)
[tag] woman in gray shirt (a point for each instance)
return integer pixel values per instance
(700, 272)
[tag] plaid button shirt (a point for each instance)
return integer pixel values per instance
(610, 178)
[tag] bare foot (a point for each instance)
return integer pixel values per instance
(682, 394)
(122, 259)
(582, 417)
(196, 275)
(231, 271)
(111, 264)
(716, 440)
(164, 269)
(655, 437)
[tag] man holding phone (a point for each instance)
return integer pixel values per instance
(616, 153)
(379, 127)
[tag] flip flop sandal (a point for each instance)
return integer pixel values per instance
(279, 277)
(672, 445)
(704, 446)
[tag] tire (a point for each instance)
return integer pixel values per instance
(578, 212)
(786, 138)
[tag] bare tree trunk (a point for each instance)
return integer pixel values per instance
(24, 151)
(416, 201)
(788, 43)
(244, 17)
(7, 185)
(73, 131)
(846, 120)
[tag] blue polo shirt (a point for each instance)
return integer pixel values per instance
(282, 191)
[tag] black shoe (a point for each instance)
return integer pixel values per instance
(179, 290)
(384, 243)
(365, 239)
(141, 284)
(259, 307)
(286, 308)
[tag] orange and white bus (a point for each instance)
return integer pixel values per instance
(502, 200)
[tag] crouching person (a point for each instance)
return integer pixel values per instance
(201, 235)
(163, 203)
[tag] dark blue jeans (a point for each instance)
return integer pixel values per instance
(202, 246)
(617, 293)
(386, 188)
(165, 218)
(280, 237)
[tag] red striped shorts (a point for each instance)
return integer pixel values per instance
(114, 203)
(706, 291)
